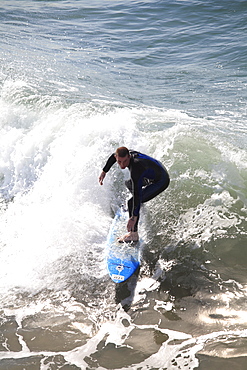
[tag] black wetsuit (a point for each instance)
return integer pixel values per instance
(148, 178)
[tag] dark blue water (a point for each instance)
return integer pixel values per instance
(77, 80)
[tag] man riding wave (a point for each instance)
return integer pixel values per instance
(148, 178)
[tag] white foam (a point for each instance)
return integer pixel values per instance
(208, 219)
(179, 349)
(51, 167)
(50, 162)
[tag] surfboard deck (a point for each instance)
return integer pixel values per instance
(122, 259)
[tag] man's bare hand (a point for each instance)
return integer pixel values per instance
(131, 223)
(101, 177)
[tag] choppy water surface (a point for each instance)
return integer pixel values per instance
(77, 80)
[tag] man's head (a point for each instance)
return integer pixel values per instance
(123, 157)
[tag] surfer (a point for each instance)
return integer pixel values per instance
(148, 178)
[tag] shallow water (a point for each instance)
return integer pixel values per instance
(78, 80)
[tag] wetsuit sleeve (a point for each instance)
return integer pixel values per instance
(110, 162)
(137, 188)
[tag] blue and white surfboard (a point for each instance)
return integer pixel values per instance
(122, 259)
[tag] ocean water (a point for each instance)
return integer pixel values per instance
(78, 79)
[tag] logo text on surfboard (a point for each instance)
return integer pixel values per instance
(117, 277)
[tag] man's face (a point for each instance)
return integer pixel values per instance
(123, 161)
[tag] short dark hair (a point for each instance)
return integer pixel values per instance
(122, 151)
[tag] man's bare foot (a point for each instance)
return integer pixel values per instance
(132, 236)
